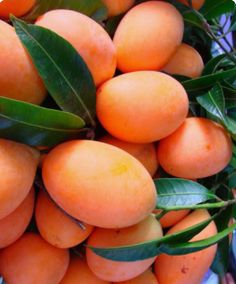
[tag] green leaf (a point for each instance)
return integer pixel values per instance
(230, 97)
(214, 102)
(190, 247)
(93, 8)
(35, 125)
(175, 193)
(190, 18)
(205, 82)
(151, 248)
(213, 64)
(213, 9)
(62, 69)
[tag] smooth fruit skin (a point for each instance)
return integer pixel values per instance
(148, 277)
(141, 107)
(55, 226)
(15, 7)
(145, 153)
(186, 61)
(19, 79)
(172, 217)
(116, 271)
(198, 148)
(31, 260)
(149, 46)
(14, 225)
(94, 181)
(79, 272)
(117, 7)
(189, 268)
(197, 4)
(90, 40)
(18, 164)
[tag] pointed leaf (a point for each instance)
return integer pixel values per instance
(35, 125)
(62, 69)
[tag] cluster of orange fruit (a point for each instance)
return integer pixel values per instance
(108, 184)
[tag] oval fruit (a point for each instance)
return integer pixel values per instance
(186, 61)
(19, 79)
(198, 148)
(197, 4)
(148, 277)
(94, 181)
(141, 107)
(172, 217)
(148, 46)
(15, 7)
(79, 272)
(18, 164)
(190, 268)
(116, 271)
(55, 226)
(117, 7)
(90, 40)
(145, 153)
(14, 225)
(31, 260)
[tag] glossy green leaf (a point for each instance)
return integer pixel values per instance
(214, 102)
(213, 64)
(92, 8)
(190, 247)
(175, 193)
(205, 82)
(192, 19)
(62, 69)
(230, 97)
(35, 125)
(213, 9)
(151, 248)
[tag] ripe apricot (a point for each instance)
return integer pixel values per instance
(198, 148)
(148, 277)
(15, 7)
(31, 260)
(141, 107)
(18, 77)
(94, 182)
(190, 268)
(145, 153)
(18, 164)
(90, 40)
(148, 46)
(14, 225)
(172, 217)
(55, 226)
(79, 272)
(186, 61)
(116, 271)
(117, 7)
(197, 4)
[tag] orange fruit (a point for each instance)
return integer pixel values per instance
(117, 7)
(15, 7)
(141, 107)
(148, 277)
(198, 148)
(197, 4)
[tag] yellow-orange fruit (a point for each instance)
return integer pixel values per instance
(94, 182)
(186, 61)
(172, 217)
(189, 268)
(15, 7)
(148, 46)
(18, 77)
(141, 107)
(55, 226)
(18, 164)
(14, 225)
(31, 260)
(197, 4)
(117, 7)
(198, 148)
(79, 272)
(116, 271)
(90, 40)
(145, 153)
(148, 277)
